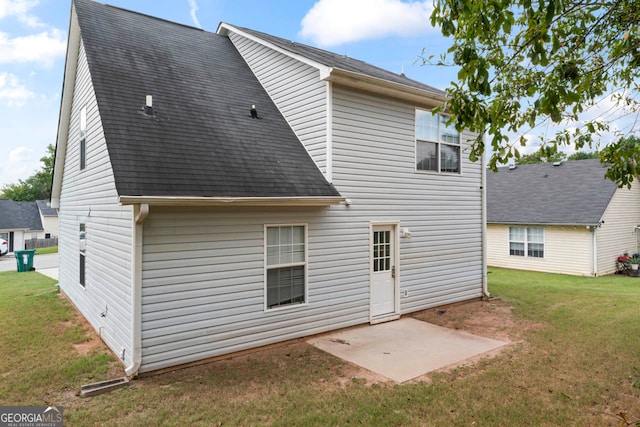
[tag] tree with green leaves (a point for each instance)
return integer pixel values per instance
(524, 62)
(540, 156)
(623, 159)
(37, 186)
(584, 155)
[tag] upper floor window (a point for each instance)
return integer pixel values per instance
(83, 138)
(526, 240)
(437, 144)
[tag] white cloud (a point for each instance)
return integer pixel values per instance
(194, 9)
(20, 9)
(12, 91)
(333, 22)
(20, 155)
(43, 48)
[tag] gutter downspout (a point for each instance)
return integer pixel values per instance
(483, 192)
(140, 213)
(594, 247)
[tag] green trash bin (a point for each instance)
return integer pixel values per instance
(24, 259)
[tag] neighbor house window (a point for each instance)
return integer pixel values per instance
(526, 241)
(286, 263)
(437, 144)
(83, 138)
(83, 242)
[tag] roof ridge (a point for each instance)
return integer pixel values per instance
(152, 17)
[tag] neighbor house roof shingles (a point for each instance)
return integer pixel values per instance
(574, 193)
(201, 142)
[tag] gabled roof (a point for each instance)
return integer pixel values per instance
(46, 209)
(573, 193)
(334, 60)
(19, 215)
(31, 215)
(200, 141)
(348, 71)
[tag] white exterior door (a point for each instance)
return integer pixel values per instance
(383, 271)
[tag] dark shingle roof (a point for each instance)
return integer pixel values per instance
(574, 193)
(10, 215)
(202, 141)
(19, 215)
(46, 209)
(31, 215)
(342, 62)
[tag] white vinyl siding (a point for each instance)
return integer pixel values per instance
(203, 289)
(567, 250)
(374, 167)
(92, 199)
(618, 232)
(297, 91)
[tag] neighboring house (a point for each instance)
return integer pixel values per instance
(49, 219)
(19, 221)
(560, 218)
(190, 229)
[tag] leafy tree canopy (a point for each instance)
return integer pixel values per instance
(540, 157)
(522, 62)
(584, 155)
(37, 186)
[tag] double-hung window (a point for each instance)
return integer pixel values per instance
(526, 241)
(437, 144)
(286, 265)
(83, 137)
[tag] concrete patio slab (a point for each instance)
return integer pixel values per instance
(404, 349)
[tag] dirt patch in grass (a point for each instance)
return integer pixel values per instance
(491, 318)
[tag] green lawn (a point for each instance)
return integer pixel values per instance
(49, 250)
(577, 363)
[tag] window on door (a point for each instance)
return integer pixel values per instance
(286, 263)
(381, 251)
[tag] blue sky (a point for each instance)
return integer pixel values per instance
(387, 33)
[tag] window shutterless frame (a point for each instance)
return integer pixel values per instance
(285, 266)
(437, 146)
(83, 137)
(83, 254)
(526, 242)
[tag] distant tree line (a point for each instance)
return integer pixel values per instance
(37, 186)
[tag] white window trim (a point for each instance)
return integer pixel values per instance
(82, 250)
(297, 264)
(82, 164)
(526, 241)
(438, 144)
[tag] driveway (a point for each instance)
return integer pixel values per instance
(44, 264)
